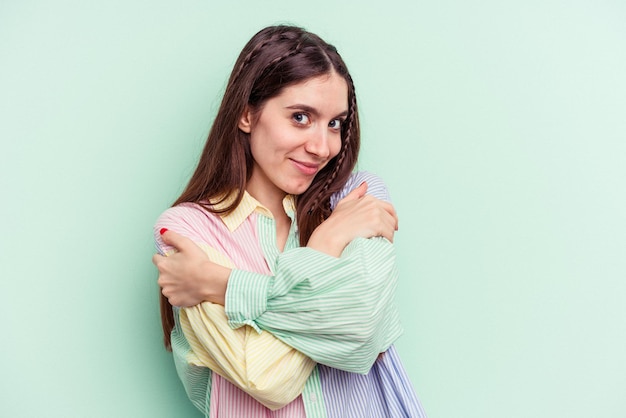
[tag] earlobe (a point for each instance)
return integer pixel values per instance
(245, 120)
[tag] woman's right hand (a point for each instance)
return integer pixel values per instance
(187, 277)
(356, 215)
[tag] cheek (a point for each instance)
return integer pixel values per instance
(258, 152)
(335, 147)
(253, 147)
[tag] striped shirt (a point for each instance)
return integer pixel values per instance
(339, 312)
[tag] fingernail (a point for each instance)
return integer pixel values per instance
(163, 231)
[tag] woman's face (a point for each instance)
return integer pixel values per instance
(295, 135)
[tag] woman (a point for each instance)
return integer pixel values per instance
(283, 144)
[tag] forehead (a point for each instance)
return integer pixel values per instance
(327, 93)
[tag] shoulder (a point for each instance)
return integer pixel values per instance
(184, 213)
(375, 187)
(187, 219)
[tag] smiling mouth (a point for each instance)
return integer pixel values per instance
(308, 169)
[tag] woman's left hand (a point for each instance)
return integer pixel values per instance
(187, 277)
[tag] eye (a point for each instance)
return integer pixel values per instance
(301, 118)
(335, 124)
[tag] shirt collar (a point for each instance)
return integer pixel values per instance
(247, 206)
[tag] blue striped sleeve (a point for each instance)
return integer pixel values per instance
(375, 187)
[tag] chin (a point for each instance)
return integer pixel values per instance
(297, 189)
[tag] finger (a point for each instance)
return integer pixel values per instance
(162, 282)
(388, 233)
(395, 220)
(389, 208)
(357, 193)
(390, 226)
(157, 258)
(392, 211)
(381, 205)
(172, 299)
(174, 239)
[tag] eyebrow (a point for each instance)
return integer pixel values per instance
(313, 110)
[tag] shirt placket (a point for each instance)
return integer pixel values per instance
(312, 395)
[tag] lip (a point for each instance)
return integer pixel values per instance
(308, 169)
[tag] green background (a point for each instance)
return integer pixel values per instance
(499, 126)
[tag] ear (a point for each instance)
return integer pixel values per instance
(245, 121)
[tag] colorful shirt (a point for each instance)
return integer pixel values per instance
(339, 312)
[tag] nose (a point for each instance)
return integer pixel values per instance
(318, 143)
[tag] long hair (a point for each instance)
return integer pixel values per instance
(275, 58)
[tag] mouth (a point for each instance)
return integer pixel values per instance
(306, 168)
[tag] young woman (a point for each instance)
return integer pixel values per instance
(296, 299)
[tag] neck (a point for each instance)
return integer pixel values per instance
(271, 199)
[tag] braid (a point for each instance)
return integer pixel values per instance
(340, 159)
(328, 182)
(248, 57)
(277, 36)
(272, 64)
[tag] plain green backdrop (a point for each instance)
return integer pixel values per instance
(499, 127)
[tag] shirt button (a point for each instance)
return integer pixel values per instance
(313, 398)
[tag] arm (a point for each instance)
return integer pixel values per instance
(346, 303)
(338, 311)
(261, 365)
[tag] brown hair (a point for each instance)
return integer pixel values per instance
(275, 58)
